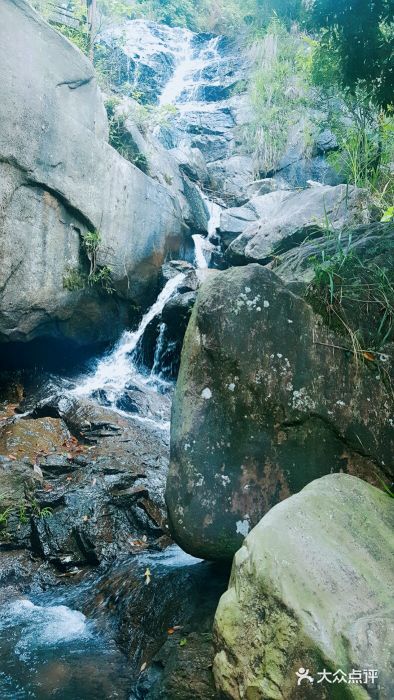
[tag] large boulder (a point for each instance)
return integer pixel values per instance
(266, 401)
(60, 179)
(231, 178)
(287, 218)
(311, 589)
(367, 242)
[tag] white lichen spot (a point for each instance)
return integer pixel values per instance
(266, 304)
(247, 290)
(200, 480)
(206, 393)
(289, 320)
(341, 403)
(231, 386)
(243, 527)
(302, 401)
(279, 355)
(186, 446)
(225, 479)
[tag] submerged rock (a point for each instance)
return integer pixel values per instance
(310, 589)
(165, 626)
(265, 402)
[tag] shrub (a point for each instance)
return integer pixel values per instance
(279, 92)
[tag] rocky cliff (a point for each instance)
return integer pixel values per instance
(60, 180)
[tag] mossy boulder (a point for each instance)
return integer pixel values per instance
(311, 588)
(267, 400)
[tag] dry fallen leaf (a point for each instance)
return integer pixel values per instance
(369, 355)
(143, 667)
(147, 575)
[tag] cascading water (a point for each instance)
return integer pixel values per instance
(117, 369)
(48, 645)
(182, 87)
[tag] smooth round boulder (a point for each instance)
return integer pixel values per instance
(310, 592)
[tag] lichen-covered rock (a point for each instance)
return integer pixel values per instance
(311, 588)
(265, 403)
(60, 179)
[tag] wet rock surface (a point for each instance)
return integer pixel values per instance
(77, 484)
(165, 625)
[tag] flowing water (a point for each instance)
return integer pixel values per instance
(182, 87)
(49, 648)
(118, 369)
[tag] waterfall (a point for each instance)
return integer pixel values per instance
(189, 65)
(116, 370)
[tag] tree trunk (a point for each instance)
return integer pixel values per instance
(91, 6)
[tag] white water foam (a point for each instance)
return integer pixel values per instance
(117, 369)
(190, 63)
(203, 251)
(45, 625)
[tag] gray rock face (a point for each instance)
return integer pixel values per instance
(165, 167)
(145, 56)
(287, 218)
(300, 161)
(262, 407)
(60, 178)
(310, 588)
(231, 176)
(369, 242)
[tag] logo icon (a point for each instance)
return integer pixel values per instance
(303, 675)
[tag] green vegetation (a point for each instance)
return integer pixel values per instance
(355, 295)
(73, 279)
(98, 275)
(23, 510)
(4, 515)
(279, 91)
(120, 138)
(366, 152)
(356, 44)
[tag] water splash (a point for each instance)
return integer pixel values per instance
(118, 369)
